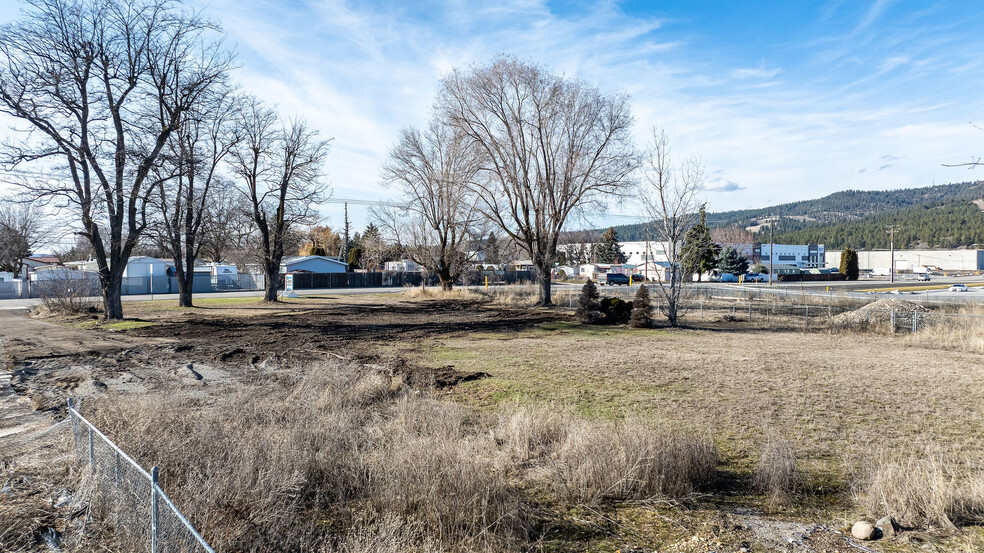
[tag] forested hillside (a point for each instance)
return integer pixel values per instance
(952, 224)
(943, 216)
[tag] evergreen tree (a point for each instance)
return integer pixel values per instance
(849, 264)
(589, 304)
(492, 254)
(354, 258)
(642, 309)
(699, 250)
(731, 261)
(608, 249)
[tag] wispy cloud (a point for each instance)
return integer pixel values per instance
(757, 73)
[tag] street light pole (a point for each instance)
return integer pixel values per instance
(892, 229)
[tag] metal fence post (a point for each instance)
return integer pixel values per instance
(915, 321)
(92, 453)
(154, 473)
(892, 319)
(749, 310)
(702, 310)
(807, 323)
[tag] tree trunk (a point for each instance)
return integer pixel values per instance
(112, 293)
(186, 280)
(543, 280)
(272, 281)
(444, 275)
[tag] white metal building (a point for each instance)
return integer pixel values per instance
(914, 260)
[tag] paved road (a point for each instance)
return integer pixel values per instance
(24, 304)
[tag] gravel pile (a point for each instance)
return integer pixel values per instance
(881, 312)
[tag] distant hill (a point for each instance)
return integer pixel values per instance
(943, 216)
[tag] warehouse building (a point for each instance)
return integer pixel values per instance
(880, 261)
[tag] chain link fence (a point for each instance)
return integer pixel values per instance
(895, 315)
(128, 497)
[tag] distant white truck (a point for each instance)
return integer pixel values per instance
(881, 271)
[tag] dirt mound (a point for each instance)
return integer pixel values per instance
(881, 312)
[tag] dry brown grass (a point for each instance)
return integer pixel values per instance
(633, 459)
(345, 459)
(925, 488)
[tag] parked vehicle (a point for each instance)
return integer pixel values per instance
(923, 277)
(638, 278)
(756, 277)
(612, 279)
(728, 277)
(958, 288)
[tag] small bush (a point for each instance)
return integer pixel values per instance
(642, 309)
(776, 474)
(616, 311)
(926, 489)
(589, 304)
(74, 292)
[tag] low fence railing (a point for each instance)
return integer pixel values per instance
(130, 497)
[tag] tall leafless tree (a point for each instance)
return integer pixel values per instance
(671, 197)
(279, 167)
(100, 86)
(432, 170)
(550, 145)
(190, 167)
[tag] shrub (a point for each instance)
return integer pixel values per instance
(616, 311)
(70, 293)
(589, 304)
(642, 309)
(776, 474)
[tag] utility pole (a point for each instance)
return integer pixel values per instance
(772, 241)
(343, 250)
(892, 229)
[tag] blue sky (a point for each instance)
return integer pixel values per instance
(781, 101)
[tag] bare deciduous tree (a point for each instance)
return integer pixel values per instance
(549, 144)
(23, 227)
(671, 199)
(279, 169)
(227, 226)
(732, 235)
(100, 86)
(432, 170)
(189, 169)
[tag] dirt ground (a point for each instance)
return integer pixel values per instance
(489, 356)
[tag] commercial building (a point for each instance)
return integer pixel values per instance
(914, 260)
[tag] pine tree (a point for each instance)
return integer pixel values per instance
(589, 304)
(492, 249)
(731, 261)
(849, 264)
(608, 249)
(642, 309)
(699, 250)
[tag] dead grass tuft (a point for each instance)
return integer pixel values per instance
(776, 473)
(928, 488)
(633, 459)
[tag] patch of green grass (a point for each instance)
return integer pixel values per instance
(125, 325)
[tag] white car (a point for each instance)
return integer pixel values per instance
(958, 288)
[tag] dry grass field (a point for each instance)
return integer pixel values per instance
(436, 422)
